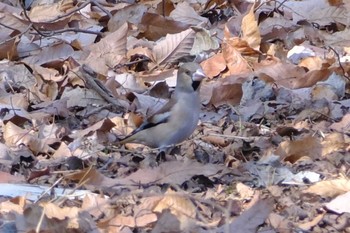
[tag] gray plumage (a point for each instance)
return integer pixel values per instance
(177, 120)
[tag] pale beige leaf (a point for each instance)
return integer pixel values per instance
(214, 65)
(186, 14)
(174, 46)
(250, 219)
(109, 51)
(341, 204)
(250, 30)
(330, 188)
(174, 172)
(339, 38)
(294, 150)
(177, 204)
(46, 12)
(328, 15)
(15, 136)
(57, 52)
(204, 41)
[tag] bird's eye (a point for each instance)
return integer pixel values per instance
(188, 72)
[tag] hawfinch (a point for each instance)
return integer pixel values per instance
(178, 118)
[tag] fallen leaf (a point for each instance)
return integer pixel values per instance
(330, 188)
(292, 151)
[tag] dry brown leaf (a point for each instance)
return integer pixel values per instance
(178, 205)
(245, 192)
(132, 14)
(82, 97)
(340, 38)
(173, 47)
(330, 14)
(18, 100)
(343, 125)
(8, 178)
(250, 29)
(91, 177)
(311, 78)
(47, 74)
(159, 75)
(341, 204)
(330, 188)
(62, 152)
(12, 22)
(174, 172)
(56, 107)
(53, 218)
(109, 51)
(215, 140)
(204, 41)
(141, 220)
(250, 219)
(334, 142)
(309, 225)
(213, 66)
(46, 12)
(45, 90)
(154, 26)
(284, 74)
(53, 211)
(15, 136)
(168, 222)
(186, 14)
(278, 222)
(224, 91)
(57, 52)
(312, 63)
(235, 61)
(317, 112)
(15, 205)
(292, 151)
(8, 49)
(320, 91)
(129, 82)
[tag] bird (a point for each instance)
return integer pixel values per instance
(178, 118)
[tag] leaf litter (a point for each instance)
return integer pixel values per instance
(271, 151)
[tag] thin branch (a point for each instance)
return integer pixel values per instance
(69, 13)
(101, 8)
(100, 89)
(340, 65)
(51, 33)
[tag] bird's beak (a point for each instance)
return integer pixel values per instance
(198, 75)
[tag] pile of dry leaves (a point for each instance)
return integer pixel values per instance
(271, 152)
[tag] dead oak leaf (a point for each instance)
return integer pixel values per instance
(330, 188)
(173, 47)
(174, 172)
(293, 150)
(250, 29)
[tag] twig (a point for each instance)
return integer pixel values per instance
(51, 33)
(38, 226)
(100, 89)
(340, 65)
(232, 136)
(101, 8)
(50, 188)
(69, 13)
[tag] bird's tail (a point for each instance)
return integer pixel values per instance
(127, 139)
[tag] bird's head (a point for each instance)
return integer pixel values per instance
(189, 77)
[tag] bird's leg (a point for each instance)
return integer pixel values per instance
(161, 157)
(163, 151)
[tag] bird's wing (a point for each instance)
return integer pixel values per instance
(162, 113)
(160, 117)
